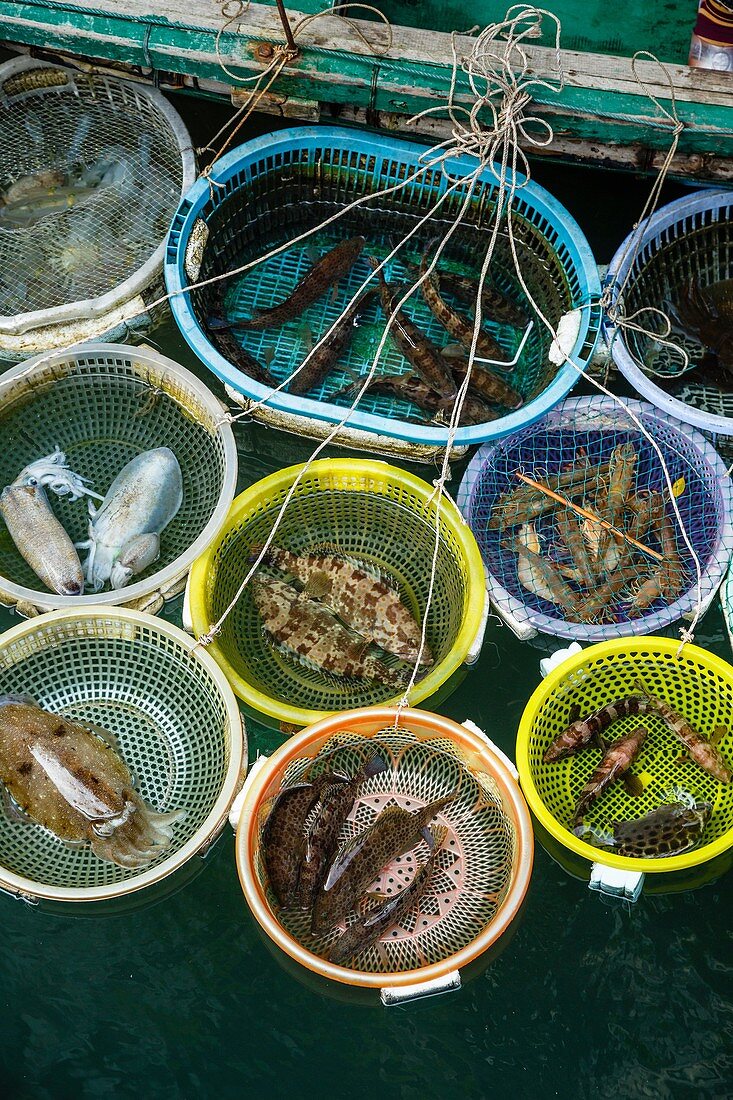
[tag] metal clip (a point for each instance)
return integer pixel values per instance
(403, 994)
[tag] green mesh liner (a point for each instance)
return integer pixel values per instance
(102, 409)
(385, 525)
(164, 709)
(697, 691)
(472, 874)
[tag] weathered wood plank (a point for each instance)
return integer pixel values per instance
(602, 101)
(202, 18)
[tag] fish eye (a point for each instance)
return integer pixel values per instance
(33, 481)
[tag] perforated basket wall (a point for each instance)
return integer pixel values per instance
(102, 404)
(687, 241)
(696, 683)
(114, 159)
(379, 515)
(481, 873)
(593, 427)
(174, 717)
(274, 188)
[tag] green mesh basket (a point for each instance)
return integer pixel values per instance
(102, 404)
(175, 720)
(374, 512)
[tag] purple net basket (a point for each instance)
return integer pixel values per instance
(593, 427)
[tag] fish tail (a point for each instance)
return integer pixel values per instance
(375, 765)
(599, 838)
(439, 834)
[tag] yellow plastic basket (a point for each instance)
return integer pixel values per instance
(696, 683)
(368, 509)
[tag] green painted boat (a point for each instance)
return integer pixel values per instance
(347, 68)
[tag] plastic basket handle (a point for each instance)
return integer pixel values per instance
(474, 650)
(400, 995)
(509, 764)
(614, 884)
(235, 810)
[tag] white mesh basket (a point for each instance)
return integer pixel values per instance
(92, 169)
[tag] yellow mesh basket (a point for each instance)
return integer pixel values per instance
(696, 683)
(368, 509)
(482, 872)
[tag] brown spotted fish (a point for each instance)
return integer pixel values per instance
(73, 783)
(311, 633)
(365, 599)
(454, 322)
(360, 860)
(667, 831)
(419, 351)
(325, 821)
(617, 759)
(331, 267)
(701, 750)
(374, 924)
(284, 833)
(581, 732)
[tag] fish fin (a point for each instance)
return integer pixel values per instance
(14, 810)
(599, 742)
(599, 838)
(268, 354)
(718, 734)
(633, 784)
(305, 335)
(354, 845)
(376, 895)
(440, 832)
(453, 351)
(375, 765)
(427, 835)
(312, 252)
(317, 585)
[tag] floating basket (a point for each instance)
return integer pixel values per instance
(593, 427)
(687, 241)
(102, 404)
(696, 683)
(92, 169)
(276, 187)
(377, 514)
(174, 717)
(481, 875)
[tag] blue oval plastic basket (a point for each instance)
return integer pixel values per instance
(689, 240)
(275, 187)
(594, 426)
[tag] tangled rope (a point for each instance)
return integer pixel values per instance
(487, 134)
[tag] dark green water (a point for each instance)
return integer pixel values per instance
(179, 995)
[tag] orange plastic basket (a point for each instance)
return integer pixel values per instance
(482, 872)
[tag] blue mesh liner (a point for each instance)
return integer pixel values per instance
(594, 427)
(274, 188)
